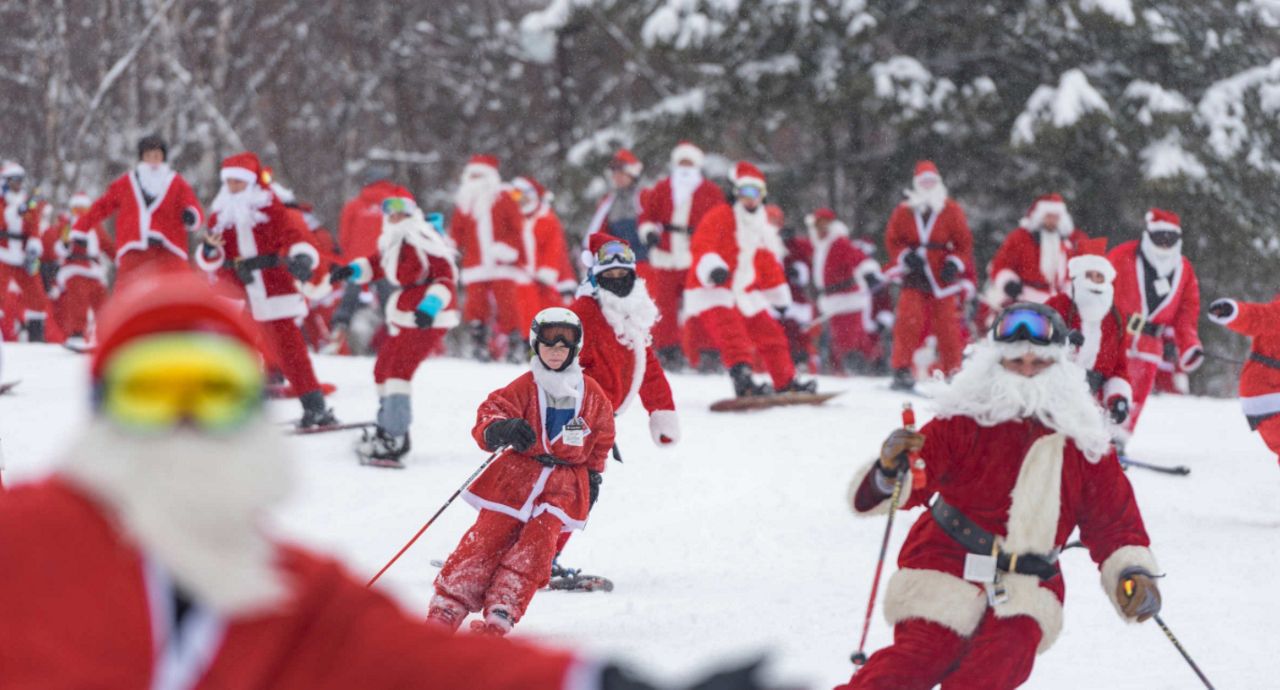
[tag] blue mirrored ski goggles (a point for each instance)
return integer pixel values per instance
(1029, 322)
(615, 253)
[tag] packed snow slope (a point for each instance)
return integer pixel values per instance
(738, 541)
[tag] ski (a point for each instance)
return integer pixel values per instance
(389, 463)
(1180, 470)
(566, 580)
(6, 387)
(760, 402)
(295, 431)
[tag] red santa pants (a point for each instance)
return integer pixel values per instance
(667, 289)
(920, 313)
(735, 334)
(151, 258)
(848, 335)
(289, 352)
(496, 301)
(31, 298)
(999, 655)
(695, 340)
(81, 295)
(401, 354)
(1142, 377)
(500, 562)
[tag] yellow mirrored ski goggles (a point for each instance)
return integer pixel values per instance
(210, 381)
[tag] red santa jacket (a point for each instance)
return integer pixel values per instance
(260, 251)
(418, 266)
(1179, 311)
(732, 238)
(80, 253)
(1103, 350)
(840, 272)
(944, 238)
(361, 219)
(519, 486)
(80, 611)
(547, 253)
(1003, 478)
(1019, 259)
(138, 224)
(623, 370)
(491, 245)
(19, 229)
(658, 214)
(1260, 378)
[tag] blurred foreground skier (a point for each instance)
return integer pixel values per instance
(1260, 378)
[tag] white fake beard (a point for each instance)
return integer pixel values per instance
(1058, 397)
(477, 194)
(241, 209)
(558, 384)
(932, 199)
(1053, 260)
(193, 501)
(1092, 300)
(684, 181)
(631, 317)
(154, 179)
(1165, 261)
(414, 231)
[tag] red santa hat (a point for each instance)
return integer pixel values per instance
(688, 151)
(746, 174)
(528, 185)
(167, 302)
(1091, 255)
(598, 240)
(1044, 205)
(824, 213)
(244, 167)
(80, 200)
(627, 162)
(481, 163)
(924, 168)
(1160, 219)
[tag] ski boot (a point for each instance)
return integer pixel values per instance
(381, 449)
(446, 612)
(795, 385)
(903, 380)
(709, 362)
(743, 385)
(314, 413)
(517, 349)
(479, 336)
(35, 330)
(672, 358)
(497, 623)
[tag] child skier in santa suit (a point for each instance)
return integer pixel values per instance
(550, 425)
(414, 257)
(1260, 378)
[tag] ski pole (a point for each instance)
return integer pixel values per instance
(452, 498)
(860, 657)
(1128, 589)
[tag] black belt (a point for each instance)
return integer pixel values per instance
(978, 541)
(256, 263)
(681, 229)
(15, 235)
(1265, 360)
(550, 460)
(79, 257)
(1138, 323)
(155, 243)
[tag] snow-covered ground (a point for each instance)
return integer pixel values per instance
(738, 541)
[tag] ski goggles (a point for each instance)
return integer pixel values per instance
(750, 191)
(208, 381)
(615, 252)
(559, 334)
(396, 204)
(1033, 323)
(1164, 238)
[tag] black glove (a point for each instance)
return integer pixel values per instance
(914, 262)
(509, 432)
(652, 239)
(340, 272)
(1119, 409)
(1075, 337)
(1223, 308)
(422, 319)
(949, 272)
(1013, 288)
(300, 266)
(594, 480)
(189, 218)
(872, 280)
(719, 276)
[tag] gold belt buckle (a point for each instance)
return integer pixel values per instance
(1136, 323)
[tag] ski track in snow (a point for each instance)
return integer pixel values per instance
(737, 541)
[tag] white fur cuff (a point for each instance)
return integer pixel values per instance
(664, 423)
(1224, 320)
(1120, 560)
(1191, 359)
(934, 596)
(1117, 386)
(706, 265)
(881, 508)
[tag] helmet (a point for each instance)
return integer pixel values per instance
(557, 325)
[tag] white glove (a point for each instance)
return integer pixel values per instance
(664, 427)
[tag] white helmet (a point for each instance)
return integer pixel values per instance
(554, 325)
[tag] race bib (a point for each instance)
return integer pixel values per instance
(574, 432)
(979, 568)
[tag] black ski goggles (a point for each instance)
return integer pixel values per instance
(1164, 238)
(1034, 323)
(559, 334)
(615, 252)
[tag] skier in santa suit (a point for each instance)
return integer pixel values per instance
(672, 210)
(1097, 344)
(20, 250)
(1260, 378)
(546, 252)
(358, 228)
(415, 259)
(488, 229)
(1031, 264)
(845, 279)
(618, 212)
(552, 425)
(81, 279)
(929, 243)
(155, 209)
(1156, 292)
(142, 561)
(258, 253)
(1017, 458)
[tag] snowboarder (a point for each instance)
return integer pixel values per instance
(673, 208)
(1031, 264)
(155, 210)
(551, 425)
(1156, 291)
(1017, 458)
(414, 258)
(20, 250)
(845, 279)
(257, 253)
(488, 229)
(929, 243)
(736, 284)
(1260, 378)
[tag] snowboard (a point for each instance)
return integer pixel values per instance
(295, 431)
(6, 387)
(277, 391)
(761, 402)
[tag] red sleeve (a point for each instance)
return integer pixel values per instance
(102, 209)
(1108, 516)
(1256, 319)
(1187, 322)
(187, 197)
(602, 429)
(655, 390)
(508, 224)
(962, 238)
(501, 404)
(897, 235)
